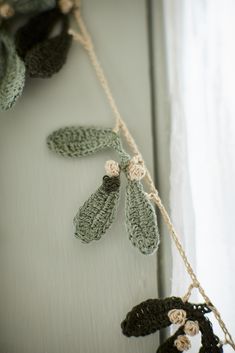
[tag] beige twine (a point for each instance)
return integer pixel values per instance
(84, 38)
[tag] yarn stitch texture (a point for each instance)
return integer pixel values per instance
(44, 56)
(13, 73)
(141, 219)
(98, 212)
(34, 31)
(153, 315)
(37, 54)
(80, 141)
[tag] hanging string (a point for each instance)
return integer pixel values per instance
(85, 40)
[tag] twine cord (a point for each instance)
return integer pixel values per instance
(85, 40)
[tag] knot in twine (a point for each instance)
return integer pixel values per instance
(182, 343)
(191, 328)
(112, 168)
(136, 168)
(6, 11)
(177, 316)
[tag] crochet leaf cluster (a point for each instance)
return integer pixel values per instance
(31, 50)
(153, 314)
(98, 212)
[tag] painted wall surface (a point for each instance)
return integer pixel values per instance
(58, 295)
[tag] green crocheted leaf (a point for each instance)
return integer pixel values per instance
(36, 30)
(169, 345)
(141, 219)
(148, 317)
(44, 55)
(80, 141)
(13, 77)
(98, 212)
(48, 57)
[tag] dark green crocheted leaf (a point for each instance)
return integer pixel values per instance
(168, 346)
(30, 6)
(80, 141)
(141, 219)
(36, 30)
(47, 57)
(98, 212)
(147, 317)
(210, 342)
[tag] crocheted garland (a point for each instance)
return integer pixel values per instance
(33, 51)
(97, 214)
(155, 314)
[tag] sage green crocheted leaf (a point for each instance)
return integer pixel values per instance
(30, 6)
(13, 75)
(141, 220)
(80, 141)
(98, 212)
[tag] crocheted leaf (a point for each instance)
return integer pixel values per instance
(210, 342)
(141, 219)
(48, 57)
(152, 315)
(149, 316)
(30, 6)
(168, 346)
(13, 77)
(80, 141)
(98, 212)
(35, 30)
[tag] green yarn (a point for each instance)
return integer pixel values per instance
(13, 75)
(155, 314)
(98, 212)
(141, 220)
(80, 141)
(31, 6)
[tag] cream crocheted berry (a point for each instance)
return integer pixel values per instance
(177, 316)
(182, 343)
